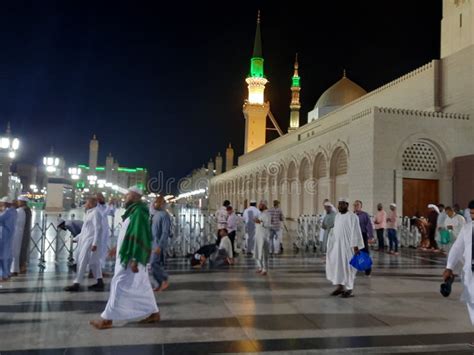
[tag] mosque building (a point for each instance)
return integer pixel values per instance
(410, 141)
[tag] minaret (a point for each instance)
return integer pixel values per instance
(93, 155)
(295, 104)
(210, 168)
(457, 26)
(109, 167)
(229, 158)
(218, 164)
(255, 108)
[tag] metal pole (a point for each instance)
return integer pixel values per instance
(70, 259)
(42, 263)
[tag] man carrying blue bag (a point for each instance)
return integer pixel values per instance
(345, 241)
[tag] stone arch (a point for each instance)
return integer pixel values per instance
(292, 185)
(263, 185)
(338, 173)
(320, 174)
(306, 187)
(423, 175)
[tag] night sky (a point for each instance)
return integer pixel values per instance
(162, 86)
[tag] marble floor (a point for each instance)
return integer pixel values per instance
(397, 310)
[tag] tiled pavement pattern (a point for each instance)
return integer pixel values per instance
(397, 310)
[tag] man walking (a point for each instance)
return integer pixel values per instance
(160, 228)
(392, 224)
(346, 241)
(327, 224)
(277, 218)
(461, 253)
(89, 247)
(18, 235)
(262, 238)
(250, 214)
(7, 224)
(131, 295)
(380, 222)
(25, 241)
(366, 228)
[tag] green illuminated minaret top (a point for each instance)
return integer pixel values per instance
(256, 63)
(296, 78)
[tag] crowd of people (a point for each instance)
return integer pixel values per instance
(145, 233)
(15, 235)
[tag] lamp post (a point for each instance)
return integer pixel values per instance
(8, 149)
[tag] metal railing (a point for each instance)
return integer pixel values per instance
(51, 244)
(307, 236)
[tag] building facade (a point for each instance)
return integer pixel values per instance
(394, 144)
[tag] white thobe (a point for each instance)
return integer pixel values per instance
(221, 217)
(461, 253)
(262, 240)
(345, 236)
(131, 295)
(17, 239)
(105, 211)
(91, 234)
(249, 216)
(226, 244)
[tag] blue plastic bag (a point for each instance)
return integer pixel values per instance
(361, 261)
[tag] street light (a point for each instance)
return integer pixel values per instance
(51, 164)
(75, 173)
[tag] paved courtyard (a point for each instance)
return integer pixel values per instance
(397, 310)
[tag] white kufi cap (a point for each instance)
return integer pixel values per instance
(136, 189)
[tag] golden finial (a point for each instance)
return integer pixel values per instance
(258, 16)
(344, 73)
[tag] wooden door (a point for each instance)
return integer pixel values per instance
(417, 194)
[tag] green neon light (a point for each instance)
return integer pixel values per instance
(296, 81)
(101, 168)
(256, 67)
(127, 170)
(80, 184)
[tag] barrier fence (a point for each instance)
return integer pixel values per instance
(308, 233)
(190, 232)
(51, 244)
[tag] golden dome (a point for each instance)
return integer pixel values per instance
(340, 94)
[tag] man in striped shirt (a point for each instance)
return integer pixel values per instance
(276, 216)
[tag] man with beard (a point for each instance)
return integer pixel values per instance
(345, 242)
(131, 294)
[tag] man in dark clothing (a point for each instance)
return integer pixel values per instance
(365, 227)
(432, 224)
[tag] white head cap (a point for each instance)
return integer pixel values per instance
(393, 205)
(23, 198)
(253, 201)
(433, 207)
(343, 199)
(328, 204)
(5, 199)
(135, 189)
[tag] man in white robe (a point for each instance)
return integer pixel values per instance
(453, 224)
(18, 236)
(131, 293)
(249, 216)
(345, 241)
(461, 254)
(262, 238)
(89, 245)
(105, 210)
